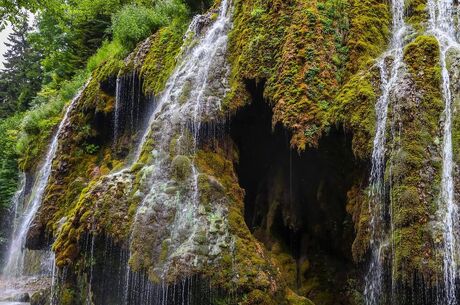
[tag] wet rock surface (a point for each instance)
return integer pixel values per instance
(20, 290)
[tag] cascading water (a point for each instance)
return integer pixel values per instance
(192, 96)
(442, 26)
(18, 200)
(15, 261)
(377, 207)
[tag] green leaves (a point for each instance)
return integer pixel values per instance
(8, 164)
(136, 22)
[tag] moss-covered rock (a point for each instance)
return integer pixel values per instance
(161, 58)
(181, 167)
(414, 165)
(304, 59)
(41, 297)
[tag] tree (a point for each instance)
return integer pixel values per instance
(21, 78)
(11, 11)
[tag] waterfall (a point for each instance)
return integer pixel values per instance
(17, 200)
(15, 261)
(192, 97)
(377, 208)
(442, 26)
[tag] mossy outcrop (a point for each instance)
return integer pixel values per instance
(415, 161)
(305, 52)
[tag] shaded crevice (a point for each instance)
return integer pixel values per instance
(296, 201)
(132, 110)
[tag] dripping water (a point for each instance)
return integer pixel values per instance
(373, 291)
(442, 26)
(128, 103)
(116, 123)
(91, 267)
(54, 277)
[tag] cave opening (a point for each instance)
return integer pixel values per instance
(295, 202)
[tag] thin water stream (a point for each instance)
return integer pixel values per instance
(389, 75)
(442, 26)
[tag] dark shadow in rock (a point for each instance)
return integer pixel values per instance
(297, 201)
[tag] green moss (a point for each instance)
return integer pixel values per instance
(355, 109)
(369, 31)
(93, 97)
(422, 58)
(258, 297)
(415, 170)
(294, 299)
(308, 77)
(417, 14)
(103, 207)
(161, 58)
(254, 43)
(68, 297)
(107, 69)
(247, 268)
(286, 263)
(305, 52)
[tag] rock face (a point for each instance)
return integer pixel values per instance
(240, 172)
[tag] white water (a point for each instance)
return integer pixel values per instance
(192, 95)
(442, 26)
(15, 262)
(377, 207)
(18, 200)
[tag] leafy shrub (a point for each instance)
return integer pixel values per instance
(108, 50)
(134, 23)
(70, 88)
(35, 130)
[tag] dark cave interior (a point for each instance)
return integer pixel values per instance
(297, 200)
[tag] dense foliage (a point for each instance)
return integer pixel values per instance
(135, 22)
(22, 68)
